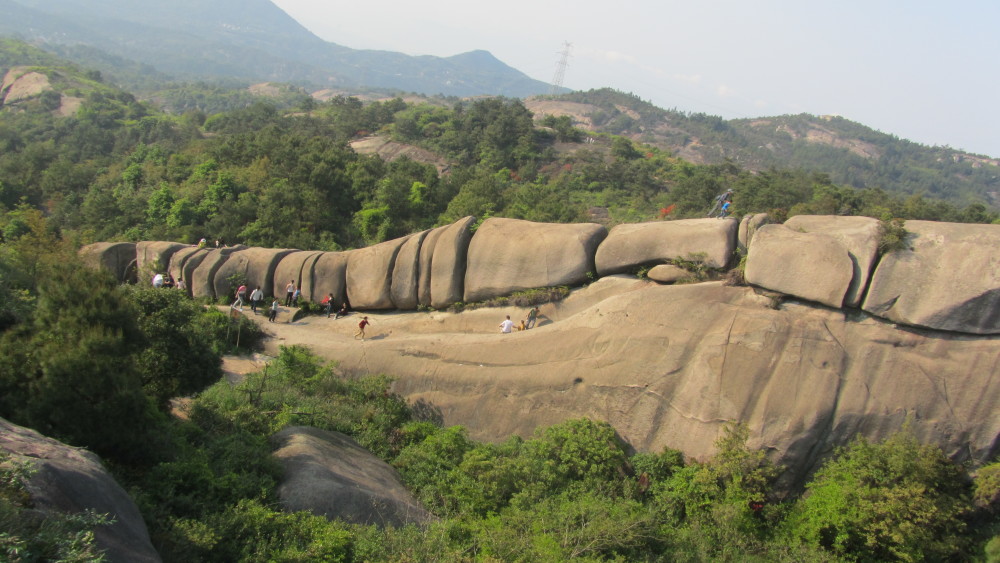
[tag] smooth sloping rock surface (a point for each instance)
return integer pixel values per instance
(328, 275)
(202, 279)
(369, 274)
(406, 273)
(71, 480)
(184, 262)
(812, 266)
(948, 280)
(425, 261)
(448, 264)
(631, 245)
(748, 228)
(859, 235)
(115, 257)
(508, 255)
(669, 365)
(256, 265)
(298, 266)
(331, 475)
(154, 256)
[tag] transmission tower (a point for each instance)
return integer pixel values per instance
(557, 78)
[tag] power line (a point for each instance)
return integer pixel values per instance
(557, 78)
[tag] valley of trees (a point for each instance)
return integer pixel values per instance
(96, 364)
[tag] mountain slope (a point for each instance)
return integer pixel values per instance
(251, 40)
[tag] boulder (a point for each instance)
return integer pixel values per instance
(448, 263)
(406, 273)
(154, 256)
(327, 275)
(811, 266)
(507, 255)
(369, 274)
(256, 265)
(859, 235)
(631, 245)
(667, 273)
(425, 261)
(296, 266)
(949, 279)
(748, 226)
(71, 480)
(201, 282)
(331, 475)
(184, 262)
(119, 258)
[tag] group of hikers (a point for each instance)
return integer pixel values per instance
(508, 326)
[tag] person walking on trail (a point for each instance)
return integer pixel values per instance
(256, 296)
(532, 317)
(289, 293)
(507, 325)
(361, 328)
(274, 310)
(726, 208)
(328, 301)
(240, 293)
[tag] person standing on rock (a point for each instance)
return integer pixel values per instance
(256, 296)
(289, 293)
(240, 294)
(274, 310)
(532, 317)
(361, 328)
(507, 325)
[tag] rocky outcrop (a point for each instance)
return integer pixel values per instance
(331, 475)
(425, 261)
(448, 264)
(21, 83)
(369, 275)
(748, 228)
(297, 266)
(811, 266)
(406, 273)
(202, 279)
(255, 265)
(667, 273)
(631, 245)
(184, 262)
(668, 366)
(858, 235)
(948, 279)
(154, 256)
(328, 275)
(508, 255)
(71, 480)
(115, 257)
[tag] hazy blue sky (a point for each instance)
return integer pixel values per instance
(920, 70)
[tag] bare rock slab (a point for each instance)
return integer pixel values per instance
(115, 257)
(296, 266)
(154, 256)
(255, 265)
(949, 279)
(859, 235)
(406, 273)
(201, 281)
(369, 274)
(327, 275)
(631, 245)
(71, 480)
(331, 475)
(448, 265)
(508, 255)
(811, 266)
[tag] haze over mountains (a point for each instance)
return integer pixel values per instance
(251, 40)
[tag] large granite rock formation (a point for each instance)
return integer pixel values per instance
(406, 273)
(369, 274)
(812, 266)
(424, 263)
(670, 365)
(298, 266)
(256, 265)
(632, 245)
(115, 257)
(749, 225)
(949, 279)
(71, 480)
(201, 282)
(328, 275)
(858, 235)
(508, 255)
(184, 262)
(154, 256)
(449, 262)
(331, 475)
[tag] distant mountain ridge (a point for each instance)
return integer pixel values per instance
(252, 40)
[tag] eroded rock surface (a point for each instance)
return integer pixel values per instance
(858, 235)
(255, 265)
(630, 245)
(115, 257)
(369, 274)
(447, 271)
(71, 480)
(331, 475)
(508, 255)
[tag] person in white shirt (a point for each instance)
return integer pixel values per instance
(256, 296)
(507, 325)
